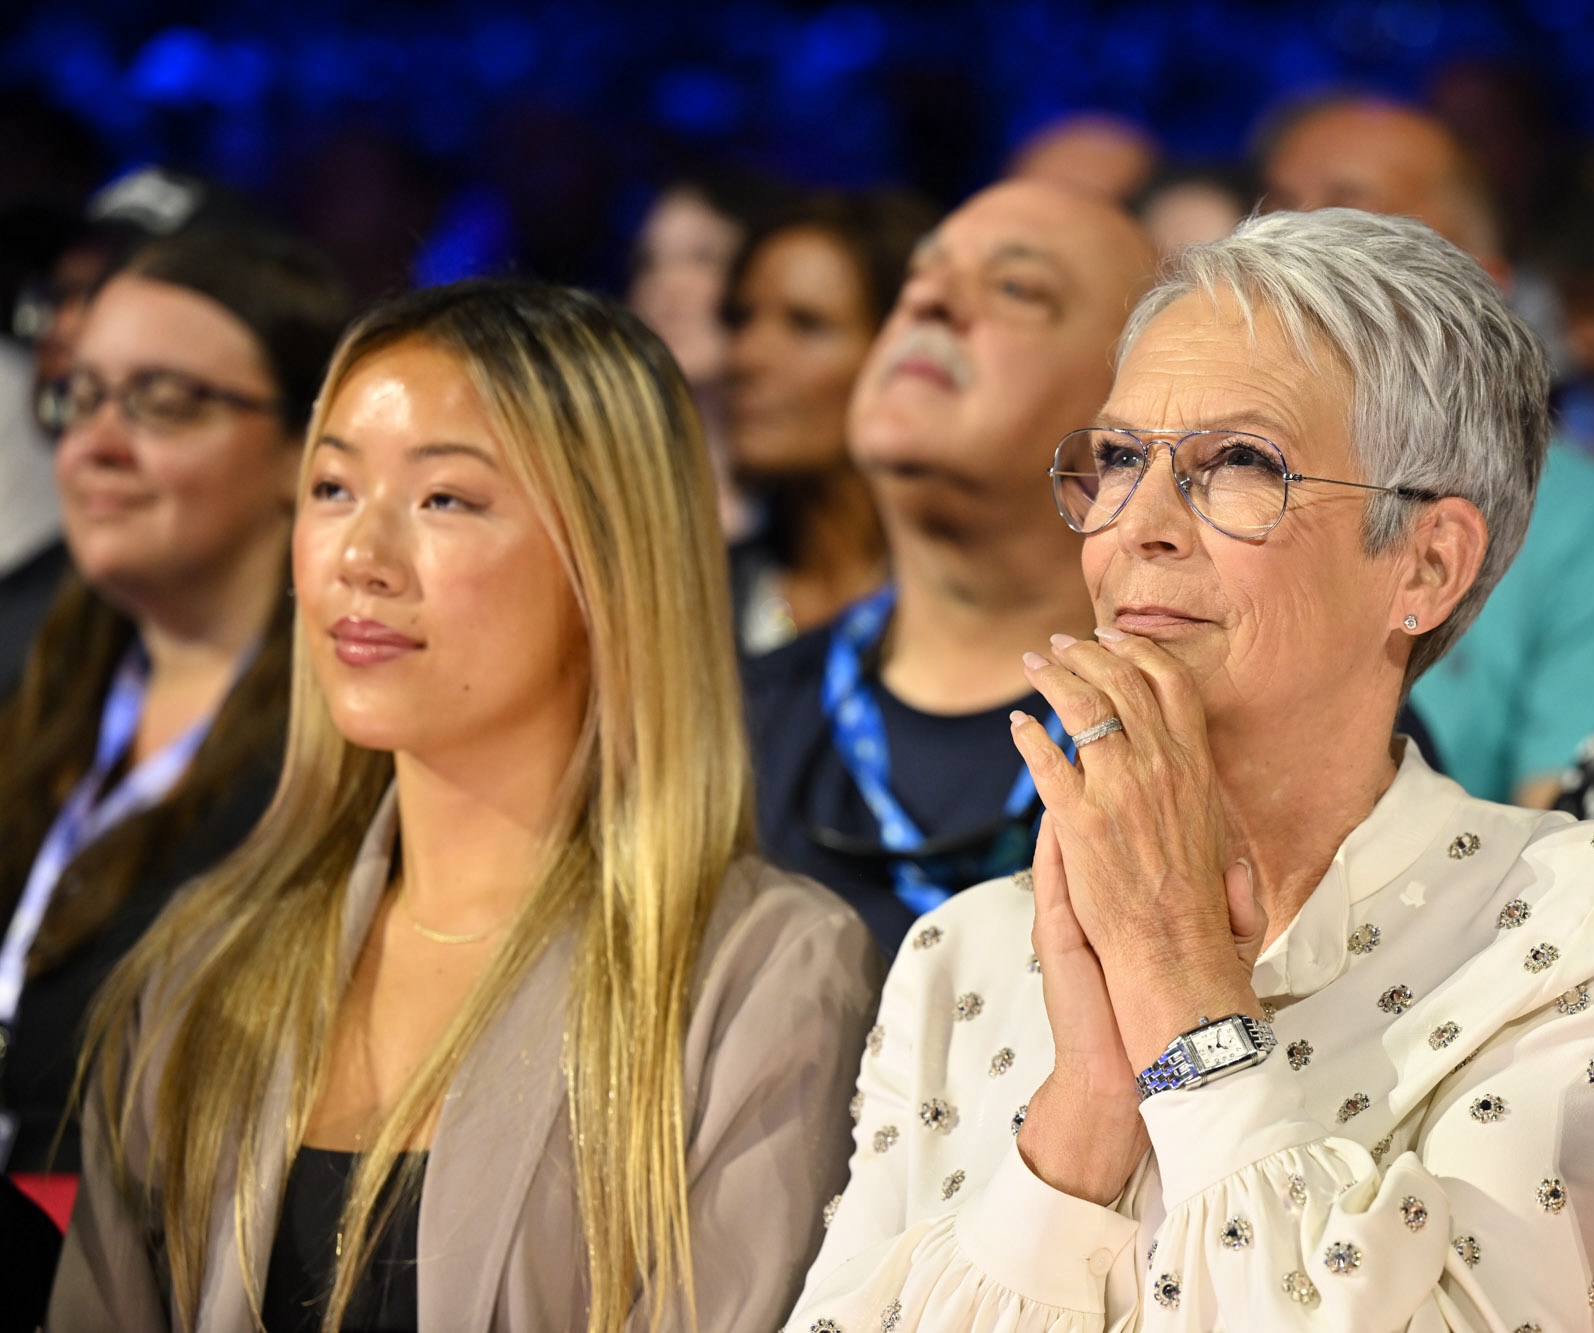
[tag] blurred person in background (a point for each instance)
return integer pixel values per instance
(495, 1023)
(807, 294)
(881, 739)
(680, 262)
(48, 317)
(145, 738)
(1093, 152)
(1191, 205)
(1509, 704)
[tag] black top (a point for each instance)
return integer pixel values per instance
(952, 774)
(42, 1056)
(305, 1252)
(26, 595)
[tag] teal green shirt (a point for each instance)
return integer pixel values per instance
(1515, 697)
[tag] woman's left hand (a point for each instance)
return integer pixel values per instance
(1140, 827)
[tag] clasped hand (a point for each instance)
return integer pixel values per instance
(1143, 921)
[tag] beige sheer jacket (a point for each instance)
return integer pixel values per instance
(786, 989)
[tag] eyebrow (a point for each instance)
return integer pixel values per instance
(1017, 250)
(929, 246)
(1256, 421)
(419, 453)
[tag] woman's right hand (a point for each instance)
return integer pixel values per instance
(1082, 1134)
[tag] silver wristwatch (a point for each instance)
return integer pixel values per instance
(1215, 1048)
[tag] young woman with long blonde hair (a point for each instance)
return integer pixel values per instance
(493, 1023)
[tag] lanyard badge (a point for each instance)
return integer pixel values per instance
(859, 735)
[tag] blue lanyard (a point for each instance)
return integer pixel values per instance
(89, 810)
(859, 734)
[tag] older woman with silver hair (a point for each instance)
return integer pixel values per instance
(1284, 1031)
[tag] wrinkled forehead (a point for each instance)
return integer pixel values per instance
(1029, 220)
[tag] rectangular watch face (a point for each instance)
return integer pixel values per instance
(1217, 1046)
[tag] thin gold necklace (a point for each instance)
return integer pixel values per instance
(441, 936)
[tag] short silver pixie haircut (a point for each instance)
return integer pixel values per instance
(1451, 387)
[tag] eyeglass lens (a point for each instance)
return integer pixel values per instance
(162, 400)
(1233, 480)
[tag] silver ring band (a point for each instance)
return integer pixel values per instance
(1096, 732)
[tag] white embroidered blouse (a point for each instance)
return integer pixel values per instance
(1417, 1154)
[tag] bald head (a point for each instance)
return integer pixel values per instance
(1001, 340)
(1383, 158)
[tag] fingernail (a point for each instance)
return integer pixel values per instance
(1110, 635)
(1034, 661)
(1061, 641)
(1017, 718)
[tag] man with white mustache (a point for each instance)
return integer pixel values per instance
(881, 740)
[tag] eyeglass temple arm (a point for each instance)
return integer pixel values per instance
(1405, 492)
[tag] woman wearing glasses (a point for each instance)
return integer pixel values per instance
(146, 736)
(1284, 1030)
(493, 1023)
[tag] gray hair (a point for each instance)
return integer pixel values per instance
(1451, 388)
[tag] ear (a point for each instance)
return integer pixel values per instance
(1443, 555)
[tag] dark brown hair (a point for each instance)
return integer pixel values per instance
(293, 304)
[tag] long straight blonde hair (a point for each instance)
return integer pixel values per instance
(599, 425)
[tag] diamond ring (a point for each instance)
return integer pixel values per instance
(1096, 732)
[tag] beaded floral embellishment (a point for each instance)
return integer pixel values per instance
(1540, 957)
(1297, 1191)
(1395, 1000)
(1353, 1105)
(1298, 1287)
(1025, 880)
(1235, 1234)
(1166, 1291)
(1034, 964)
(1001, 1062)
(1018, 1117)
(1414, 1213)
(824, 1326)
(1364, 939)
(1465, 844)
(1575, 1001)
(890, 1317)
(1443, 1035)
(829, 1214)
(1513, 914)
(1299, 1054)
(1469, 1250)
(952, 1184)
(855, 1106)
(937, 1115)
(927, 938)
(885, 1136)
(876, 1039)
(1341, 1258)
(1552, 1195)
(1488, 1108)
(967, 1006)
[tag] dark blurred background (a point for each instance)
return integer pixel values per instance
(425, 141)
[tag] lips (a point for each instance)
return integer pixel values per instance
(105, 501)
(930, 352)
(359, 642)
(1148, 619)
(923, 367)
